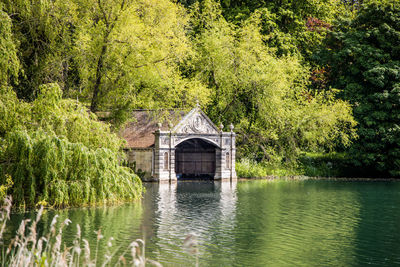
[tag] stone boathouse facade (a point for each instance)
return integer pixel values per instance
(166, 145)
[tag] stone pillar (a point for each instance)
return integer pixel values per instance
(233, 156)
(164, 157)
(219, 155)
(218, 164)
(226, 157)
(172, 175)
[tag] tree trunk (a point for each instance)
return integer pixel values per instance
(99, 70)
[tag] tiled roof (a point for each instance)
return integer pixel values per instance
(139, 132)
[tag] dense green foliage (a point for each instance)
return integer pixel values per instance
(326, 165)
(246, 168)
(52, 113)
(56, 153)
(288, 74)
(9, 64)
(264, 95)
(114, 55)
(310, 164)
(363, 56)
(49, 169)
(289, 27)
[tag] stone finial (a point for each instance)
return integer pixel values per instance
(221, 127)
(231, 127)
(197, 103)
(170, 125)
(159, 125)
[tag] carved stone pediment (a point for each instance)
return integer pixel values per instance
(196, 122)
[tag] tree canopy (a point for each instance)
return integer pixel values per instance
(264, 95)
(289, 74)
(58, 154)
(363, 57)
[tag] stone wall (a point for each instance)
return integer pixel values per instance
(141, 161)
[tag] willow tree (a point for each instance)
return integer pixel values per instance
(58, 154)
(43, 32)
(264, 95)
(129, 51)
(9, 63)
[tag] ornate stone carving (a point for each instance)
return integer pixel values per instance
(165, 141)
(198, 124)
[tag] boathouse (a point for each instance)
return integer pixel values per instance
(166, 145)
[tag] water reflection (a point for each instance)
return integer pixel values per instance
(205, 209)
(254, 223)
(258, 223)
(378, 236)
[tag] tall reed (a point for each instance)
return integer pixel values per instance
(29, 248)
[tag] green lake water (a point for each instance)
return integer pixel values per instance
(251, 223)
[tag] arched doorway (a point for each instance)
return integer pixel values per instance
(195, 159)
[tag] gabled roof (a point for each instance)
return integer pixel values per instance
(196, 121)
(139, 132)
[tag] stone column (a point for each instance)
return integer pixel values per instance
(233, 154)
(164, 157)
(218, 163)
(219, 155)
(227, 156)
(172, 175)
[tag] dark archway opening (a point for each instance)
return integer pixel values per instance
(195, 159)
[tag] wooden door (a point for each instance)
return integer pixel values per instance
(195, 159)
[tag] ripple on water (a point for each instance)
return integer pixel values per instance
(254, 223)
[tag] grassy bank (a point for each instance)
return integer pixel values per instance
(309, 164)
(246, 168)
(326, 165)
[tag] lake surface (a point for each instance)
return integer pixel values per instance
(251, 223)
